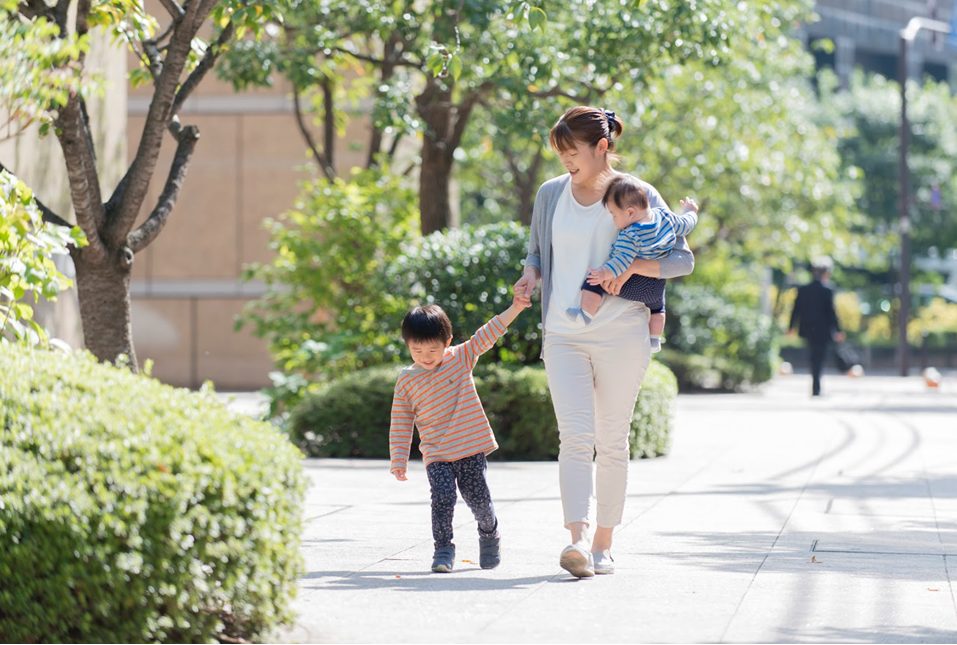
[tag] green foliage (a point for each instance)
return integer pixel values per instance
(27, 247)
(654, 417)
(866, 125)
(328, 309)
(39, 69)
(469, 272)
(350, 416)
(715, 343)
(131, 511)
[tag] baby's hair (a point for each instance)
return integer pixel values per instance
(625, 191)
(426, 324)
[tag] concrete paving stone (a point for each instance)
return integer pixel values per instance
(775, 518)
(846, 598)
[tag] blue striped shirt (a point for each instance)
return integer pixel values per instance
(649, 240)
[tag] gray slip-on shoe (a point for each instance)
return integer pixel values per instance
(577, 561)
(604, 563)
(444, 559)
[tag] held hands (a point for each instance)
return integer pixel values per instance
(688, 204)
(523, 289)
(599, 276)
(400, 474)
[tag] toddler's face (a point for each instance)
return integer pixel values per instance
(428, 355)
(625, 217)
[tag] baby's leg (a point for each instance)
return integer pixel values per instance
(656, 325)
(590, 302)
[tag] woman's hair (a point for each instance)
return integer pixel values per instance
(586, 125)
(426, 324)
(625, 191)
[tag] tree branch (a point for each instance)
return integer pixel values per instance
(327, 168)
(61, 14)
(147, 232)
(158, 119)
(196, 76)
(329, 122)
(174, 9)
(463, 112)
(378, 61)
(82, 18)
(74, 138)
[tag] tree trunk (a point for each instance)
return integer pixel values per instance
(526, 202)
(436, 173)
(103, 289)
(435, 108)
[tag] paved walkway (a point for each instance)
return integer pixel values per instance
(776, 518)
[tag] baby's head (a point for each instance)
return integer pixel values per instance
(427, 331)
(626, 200)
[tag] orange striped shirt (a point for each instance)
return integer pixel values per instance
(443, 404)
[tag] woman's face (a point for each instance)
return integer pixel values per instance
(585, 162)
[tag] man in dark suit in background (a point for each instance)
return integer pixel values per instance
(816, 320)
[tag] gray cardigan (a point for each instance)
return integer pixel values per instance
(678, 263)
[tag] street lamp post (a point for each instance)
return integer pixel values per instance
(907, 36)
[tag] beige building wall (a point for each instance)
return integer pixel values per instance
(186, 286)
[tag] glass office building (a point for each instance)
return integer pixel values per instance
(866, 33)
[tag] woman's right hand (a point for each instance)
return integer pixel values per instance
(526, 285)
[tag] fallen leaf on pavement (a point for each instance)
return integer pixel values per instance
(815, 560)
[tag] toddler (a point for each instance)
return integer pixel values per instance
(437, 395)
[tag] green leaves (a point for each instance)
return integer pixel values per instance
(39, 69)
(27, 247)
(328, 309)
(131, 511)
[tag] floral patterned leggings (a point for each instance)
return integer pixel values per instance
(469, 472)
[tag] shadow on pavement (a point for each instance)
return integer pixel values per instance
(460, 580)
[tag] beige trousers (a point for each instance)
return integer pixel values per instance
(594, 378)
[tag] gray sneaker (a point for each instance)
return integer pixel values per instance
(444, 559)
(577, 561)
(490, 552)
(604, 563)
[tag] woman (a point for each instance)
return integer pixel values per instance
(594, 369)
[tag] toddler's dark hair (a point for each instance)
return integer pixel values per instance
(426, 324)
(625, 191)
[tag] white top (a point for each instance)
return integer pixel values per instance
(581, 238)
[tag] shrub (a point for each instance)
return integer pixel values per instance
(350, 416)
(327, 310)
(469, 272)
(27, 247)
(714, 343)
(131, 511)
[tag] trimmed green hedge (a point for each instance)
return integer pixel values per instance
(350, 416)
(715, 343)
(131, 511)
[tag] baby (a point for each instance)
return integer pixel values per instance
(645, 233)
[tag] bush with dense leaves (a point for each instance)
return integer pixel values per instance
(327, 310)
(469, 272)
(131, 511)
(350, 416)
(715, 343)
